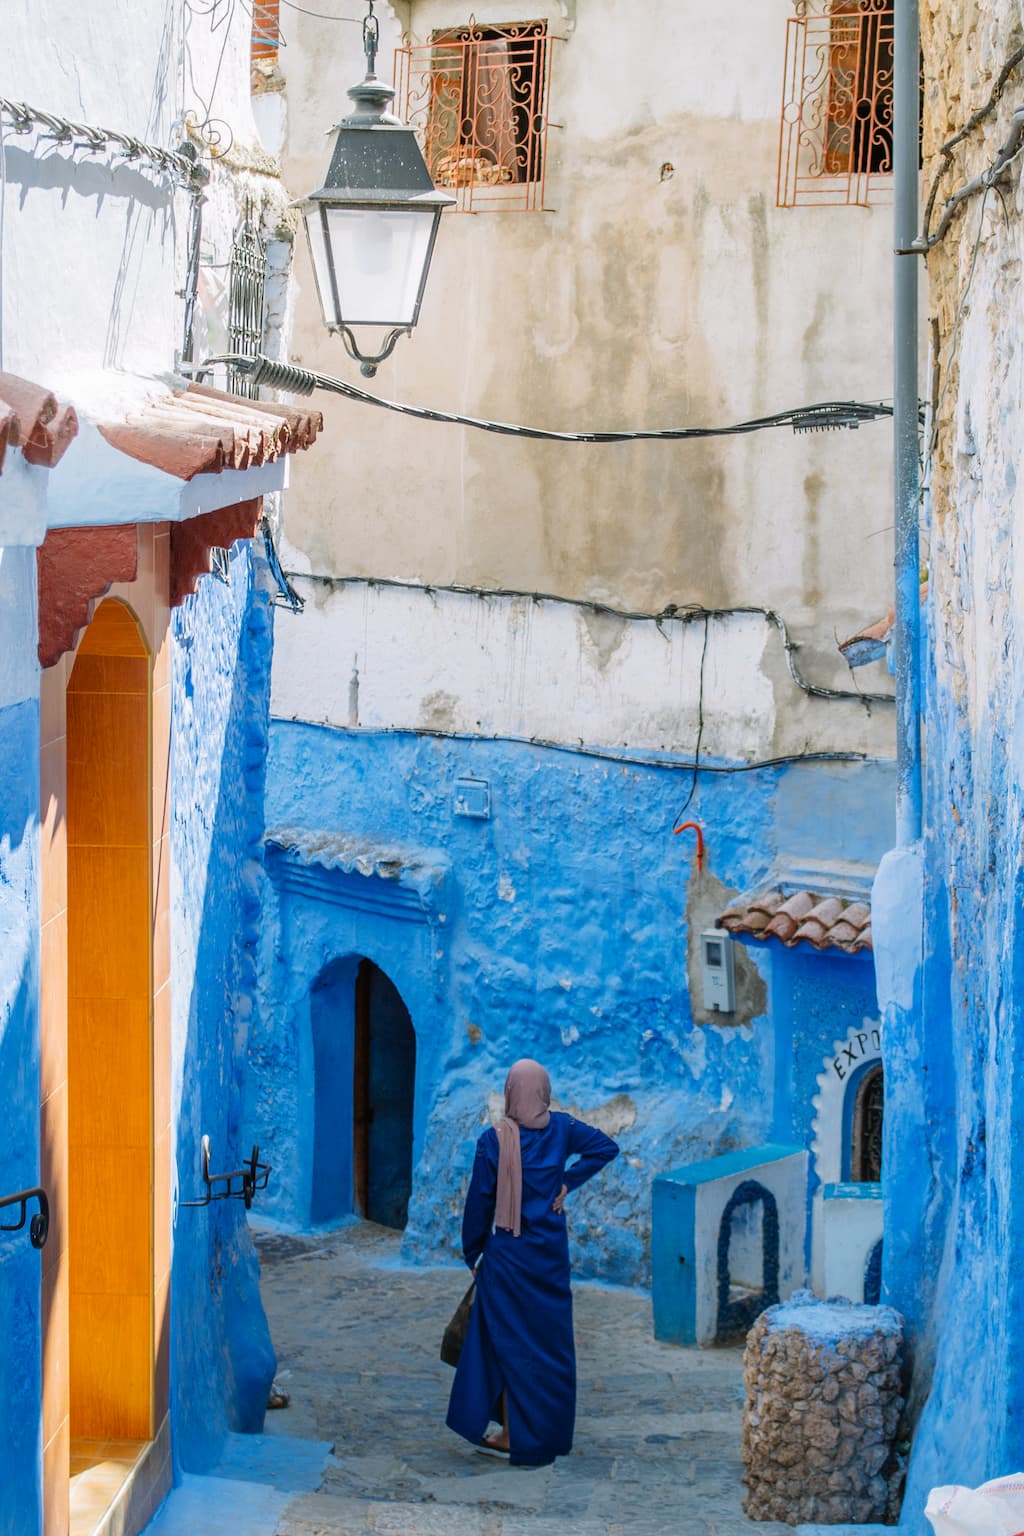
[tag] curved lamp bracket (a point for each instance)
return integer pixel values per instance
(368, 365)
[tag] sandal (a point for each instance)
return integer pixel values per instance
(487, 1447)
(278, 1397)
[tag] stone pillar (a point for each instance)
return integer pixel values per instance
(823, 1401)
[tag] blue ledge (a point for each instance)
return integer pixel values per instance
(729, 1164)
(852, 1192)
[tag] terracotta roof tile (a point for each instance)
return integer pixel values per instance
(32, 418)
(200, 430)
(869, 643)
(824, 922)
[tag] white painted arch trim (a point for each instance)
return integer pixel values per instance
(860, 1047)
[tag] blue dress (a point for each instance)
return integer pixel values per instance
(520, 1339)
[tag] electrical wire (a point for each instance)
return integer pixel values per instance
(700, 730)
(974, 121)
(22, 118)
(984, 182)
(604, 754)
(825, 416)
(672, 613)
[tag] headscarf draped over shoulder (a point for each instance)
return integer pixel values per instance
(527, 1104)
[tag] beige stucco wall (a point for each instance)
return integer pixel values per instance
(637, 301)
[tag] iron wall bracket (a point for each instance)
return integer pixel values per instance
(240, 1184)
(39, 1226)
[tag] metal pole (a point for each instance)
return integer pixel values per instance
(906, 140)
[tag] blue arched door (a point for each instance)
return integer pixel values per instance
(384, 1092)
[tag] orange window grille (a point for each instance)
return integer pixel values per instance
(478, 99)
(835, 138)
(266, 30)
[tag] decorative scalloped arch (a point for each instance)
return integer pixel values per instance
(858, 1049)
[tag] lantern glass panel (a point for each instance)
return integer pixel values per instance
(379, 257)
(321, 265)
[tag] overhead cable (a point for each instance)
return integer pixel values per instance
(828, 415)
(577, 749)
(23, 118)
(974, 121)
(688, 613)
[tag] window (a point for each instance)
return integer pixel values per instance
(866, 1128)
(477, 96)
(247, 277)
(835, 143)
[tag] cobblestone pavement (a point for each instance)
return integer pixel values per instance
(357, 1336)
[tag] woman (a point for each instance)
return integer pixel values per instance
(518, 1363)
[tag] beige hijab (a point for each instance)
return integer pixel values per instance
(528, 1104)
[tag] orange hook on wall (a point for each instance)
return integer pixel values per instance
(696, 827)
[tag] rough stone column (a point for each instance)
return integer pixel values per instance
(823, 1400)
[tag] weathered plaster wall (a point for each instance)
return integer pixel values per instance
(222, 1359)
(953, 1116)
(20, 1265)
(644, 298)
(561, 928)
(415, 658)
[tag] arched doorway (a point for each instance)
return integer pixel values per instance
(384, 1082)
(110, 1041)
(364, 1075)
(748, 1259)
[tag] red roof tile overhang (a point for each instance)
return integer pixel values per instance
(198, 430)
(196, 458)
(803, 917)
(32, 419)
(165, 458)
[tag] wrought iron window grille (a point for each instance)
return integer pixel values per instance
(478, 97)
(240, 1184)
(39, 1226)
(835, 135)
(247, 282)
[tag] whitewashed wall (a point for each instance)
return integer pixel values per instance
(390, 657)
(93, 251)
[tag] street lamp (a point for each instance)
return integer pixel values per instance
(371, 227)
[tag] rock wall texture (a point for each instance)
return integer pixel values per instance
(823, 1402)
(955, 1156)
(222, 1358)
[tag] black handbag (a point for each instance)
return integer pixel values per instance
(455, 1333)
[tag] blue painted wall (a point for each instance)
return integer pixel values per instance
(20, 1263)
(222, 1360)
(815, 1000)
(950, 975)
(557, 929)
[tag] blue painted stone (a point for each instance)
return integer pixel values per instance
(555, 929)
(222, 1360)
(20, 1263)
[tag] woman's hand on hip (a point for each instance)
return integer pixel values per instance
(558, 1203)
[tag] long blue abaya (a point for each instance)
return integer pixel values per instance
(520, 1338)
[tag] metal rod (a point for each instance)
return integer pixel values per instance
(907, 633)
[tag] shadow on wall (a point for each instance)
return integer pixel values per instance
(20, 1372)
(222, 1358)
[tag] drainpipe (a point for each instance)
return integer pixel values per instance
(906, 139)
